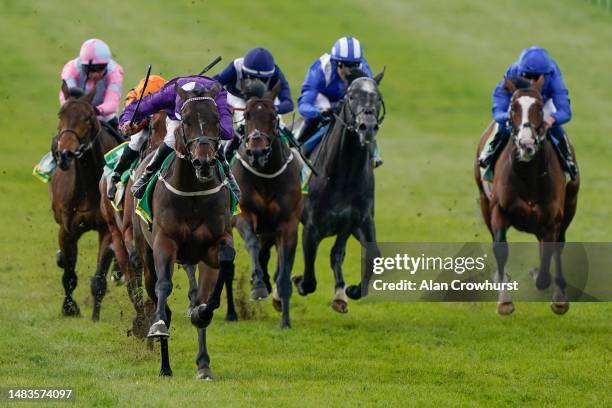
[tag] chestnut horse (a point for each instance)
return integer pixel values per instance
(120, 226)
(529, 193)
(270, 203)
(75, 198)
(191, 223)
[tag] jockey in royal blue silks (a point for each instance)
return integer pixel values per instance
(533, 63)
(257, 65)
(325, 85)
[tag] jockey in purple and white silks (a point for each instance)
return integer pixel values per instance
(533, 63)
(325, 85)
(167, 99)
(257, 65)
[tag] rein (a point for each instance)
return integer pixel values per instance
(83, 147)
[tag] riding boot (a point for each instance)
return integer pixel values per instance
(491, 151)
(560, 137)
(232, 146)
(307, 130)
(125, 161)
(231, 180)
(140, 185)
(375, 160)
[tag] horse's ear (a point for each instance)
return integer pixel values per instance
(180, 92)
(378, 78)
(214, 90)
(65, 89)
(90, 96)
(273, 93)
(509, 85)
(539, 83)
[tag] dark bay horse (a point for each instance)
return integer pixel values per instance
(75, 199)
(191, 223)
(270, 203)
(340, 201)
(529, 192)
(120, 226)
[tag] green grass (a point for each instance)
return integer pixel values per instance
(443, 59)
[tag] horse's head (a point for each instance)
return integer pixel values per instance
(365, 106)
(526, 117)
(261, 126)
(78, 125)
(199, 131)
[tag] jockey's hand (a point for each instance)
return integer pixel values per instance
(98, 113)
(548, 122)
(128, 129)
(327, 113)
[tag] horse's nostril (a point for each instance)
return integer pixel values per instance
(197, 163)
(362, 127)
(376, 127)
(249, 152)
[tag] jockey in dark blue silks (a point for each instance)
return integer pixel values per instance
(533, 63)
(325, 85)
(257, 65)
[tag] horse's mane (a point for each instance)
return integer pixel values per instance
(355, 74)
(75, 92)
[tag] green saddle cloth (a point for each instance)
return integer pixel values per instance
(144, 206)
(111, 159)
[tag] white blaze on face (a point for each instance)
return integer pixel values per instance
(526, 137)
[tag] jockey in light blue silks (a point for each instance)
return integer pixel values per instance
(257, 65)
(533, 63)
(325, 85)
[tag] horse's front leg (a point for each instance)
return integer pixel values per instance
(164, 256)
(310, 243)
(192, 294)
(499, 227)
(548, 249)
(560, 303)
(366, 234)
(286, 244)
(339, 304)
(66, 259)
(98, 281)
(245, 228)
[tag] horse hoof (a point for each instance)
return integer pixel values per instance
(560, 308)
(159, 329)
(505, 308)
(231, 317)
(285, 325)
(353, 292)
(95, 316)
(339, 306)
(165, 372)
(118, 279)
(70, 308)
(204, 374)
(276, 304)
(302, 287)
(259, 293)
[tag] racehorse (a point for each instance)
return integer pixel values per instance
(191, 223)
(529, 192)
(79, 151)
(270, 203)
(120, 226)
(340, 200)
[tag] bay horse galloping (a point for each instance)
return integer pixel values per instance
(120, 226)
(340, 200)
(270, 203)
(191, 223)
(75, 199)
(529, 192)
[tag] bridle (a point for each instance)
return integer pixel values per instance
(93, 134)
(352, 125)
(258, 133)
(538, 131)
(203, 139)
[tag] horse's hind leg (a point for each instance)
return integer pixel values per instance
(310, 243)
(231, 315)
(499, 227)
(193, 287)
(66, 259)
(98, 281)
(560, 303)
(339, 304)
(203, 359)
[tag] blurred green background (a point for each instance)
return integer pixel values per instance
(443, 60)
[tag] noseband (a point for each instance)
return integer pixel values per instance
(200, 139)
(539, 131)
(352, 125)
